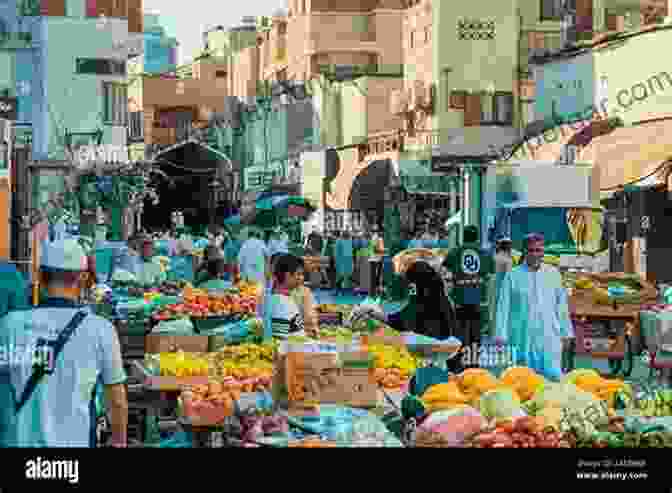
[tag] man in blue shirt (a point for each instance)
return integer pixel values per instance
(52, 359)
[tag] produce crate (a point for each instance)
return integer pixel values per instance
(202, 325)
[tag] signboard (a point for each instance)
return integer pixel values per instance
(84, 154)
(259, 177)
(313, 166)
(8, 108)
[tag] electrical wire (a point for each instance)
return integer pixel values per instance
(184, 168)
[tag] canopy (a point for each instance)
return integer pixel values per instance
(417, 177)
(268, 210)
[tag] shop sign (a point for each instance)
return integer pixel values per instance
(106, 153)
(8, 108)
(260, 177)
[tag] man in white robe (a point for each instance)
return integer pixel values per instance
(533, 314)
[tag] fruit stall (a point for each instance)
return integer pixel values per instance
(605, 309)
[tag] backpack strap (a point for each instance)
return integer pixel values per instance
(40, 371)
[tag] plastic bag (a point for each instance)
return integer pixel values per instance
(454, 425)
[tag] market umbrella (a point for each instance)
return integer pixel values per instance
(232, 220)
(267, 211)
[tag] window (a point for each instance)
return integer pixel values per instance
(135, 126)
(220, 74)
(428, 34)
(100, 66)
(115, 104)
(497, 108)
(412, 39)
(551, 10)
(503, 108)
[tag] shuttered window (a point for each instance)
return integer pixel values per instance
(472, 110)
(115, 104)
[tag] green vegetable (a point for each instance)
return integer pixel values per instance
(500, 404)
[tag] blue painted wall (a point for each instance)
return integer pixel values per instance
(159, 55)
(566, 87)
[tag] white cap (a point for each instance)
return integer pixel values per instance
(66, 254)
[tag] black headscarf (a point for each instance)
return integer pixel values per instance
(428, 311)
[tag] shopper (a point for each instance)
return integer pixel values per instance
(252, 258)
(503, 264)
(427, 312)
(344, 260)
(214, 279)
(533, 313)
(469, 267)
(150, 272)
(47, 397)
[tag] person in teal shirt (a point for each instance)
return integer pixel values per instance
(344, 260)
(13, 289)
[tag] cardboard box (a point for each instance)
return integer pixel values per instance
(156, 343)
(326, 378)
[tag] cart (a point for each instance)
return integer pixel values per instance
(606, 331)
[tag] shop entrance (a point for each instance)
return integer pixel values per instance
(189, 170)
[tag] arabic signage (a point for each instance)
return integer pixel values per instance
(8, 108)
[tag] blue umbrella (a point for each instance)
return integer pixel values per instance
(232, 220)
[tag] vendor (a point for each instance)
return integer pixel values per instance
(215, 275)
(150, 272)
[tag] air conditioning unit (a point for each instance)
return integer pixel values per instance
(418, 94)
(428, 96)
(395, 102)
(410, 97)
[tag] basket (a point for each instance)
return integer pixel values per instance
(202, 325)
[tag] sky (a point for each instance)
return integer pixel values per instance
(186, 21)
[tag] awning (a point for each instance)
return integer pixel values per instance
(417, 177)
(629, 155)
(621, 156)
